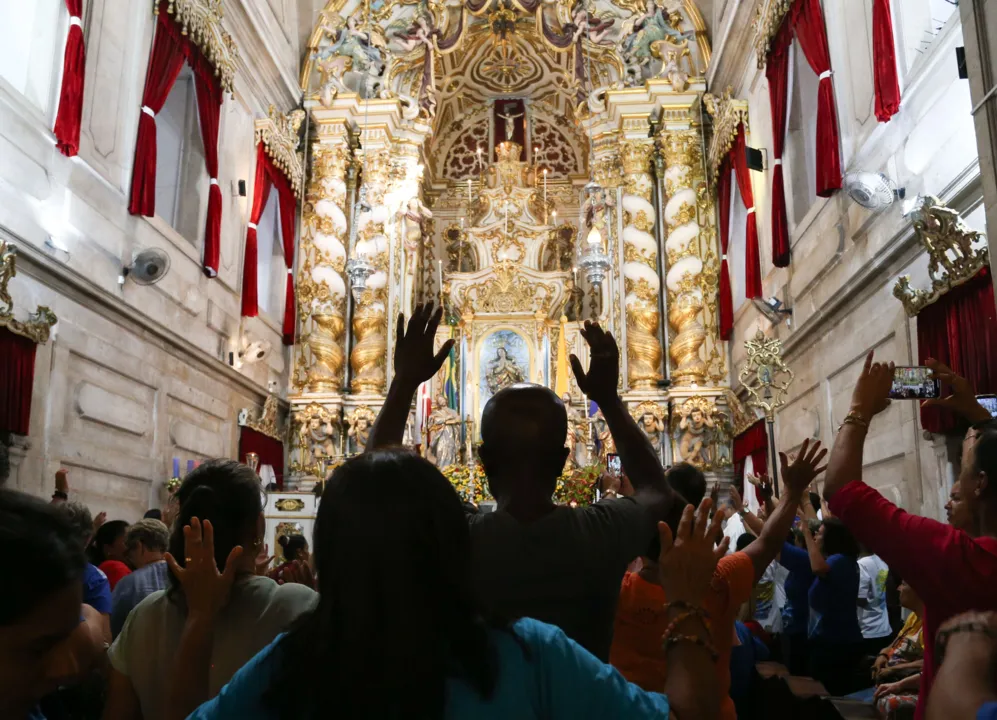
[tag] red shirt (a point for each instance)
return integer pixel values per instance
(951, 571)
(115, 570)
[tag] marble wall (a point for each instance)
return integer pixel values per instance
(135, 375)
(845, 259)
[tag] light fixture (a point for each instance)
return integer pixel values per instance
(772, 309)
(359, 269)
(593, 258)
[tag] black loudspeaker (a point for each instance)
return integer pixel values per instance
(754, 158)
(960, 60)
(242, 188)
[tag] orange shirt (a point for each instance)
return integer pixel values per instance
(640, 623)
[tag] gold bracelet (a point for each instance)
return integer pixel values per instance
(853, 418)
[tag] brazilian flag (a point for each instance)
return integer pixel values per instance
(450, 383)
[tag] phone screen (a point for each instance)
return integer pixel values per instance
(914, 383)
(613, 465)
(989, 402)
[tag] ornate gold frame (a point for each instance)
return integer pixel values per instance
(952, 257)
(39, 325)
(202, 20)
(279, 134)
(266, 423)
(728, 115)
(767, 22)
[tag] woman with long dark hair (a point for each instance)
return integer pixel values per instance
(404, 637)
(228, 495)
(836, 643)
(108, 552)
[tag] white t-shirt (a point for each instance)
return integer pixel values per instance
(257, 612)
(770, 597)
(873, 619)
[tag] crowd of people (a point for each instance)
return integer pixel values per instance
(655, 603)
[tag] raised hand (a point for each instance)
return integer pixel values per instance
(871, 393)
(205, 589)
(415, 362)
(736, 503)
(99, 520)
(297, 572)
(963, 398)
(688, 560)
(62, 481)
(804, 468)
(603, 375)
(263, 560)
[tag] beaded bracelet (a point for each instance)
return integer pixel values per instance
(694, 639)
(688, 607)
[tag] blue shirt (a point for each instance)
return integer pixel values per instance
(743, 659)
(96, 590)
(833, 616)
(133, 589)
(796, 611)
(987, 712)
(559, 680)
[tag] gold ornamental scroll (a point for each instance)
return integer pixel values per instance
(640, 267)
(322, 285)
(682, 154)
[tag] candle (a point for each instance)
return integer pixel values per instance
(439, 274)
(574, 274)
(176, 467)
(462, 223)
(190, 466)
(469, 191)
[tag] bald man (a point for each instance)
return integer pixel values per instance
(533, 558)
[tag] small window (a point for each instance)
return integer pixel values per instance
(181, 175)
(801, 140)
(32, 43)
(271, 272)
(736, 245)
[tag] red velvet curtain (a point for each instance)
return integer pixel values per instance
(724, 300)
(271, 451)
(752, 265)
(960, 330)
(288, 214)
(17, 378)
(777, 73)
(884, 62)
(808, 23)
(164, 67)
(209, 110)
(261, 191)
(752, 443)
(69, 118)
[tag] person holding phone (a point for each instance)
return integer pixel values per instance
(951, 569)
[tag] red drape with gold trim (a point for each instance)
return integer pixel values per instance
(250, 260)
(271, 451)
(960, 330)
(752, 264)
(777, 73)
(725, 302)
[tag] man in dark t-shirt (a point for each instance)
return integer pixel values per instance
(532, 558)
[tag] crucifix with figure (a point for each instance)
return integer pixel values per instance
(510, 120)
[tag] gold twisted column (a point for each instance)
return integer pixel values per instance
(370, 326)
(640, 267)
(321, 284)
(682, 152)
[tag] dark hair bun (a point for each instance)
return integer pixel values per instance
(284, 540)
(201, 503)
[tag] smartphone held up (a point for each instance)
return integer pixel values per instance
(914, 383)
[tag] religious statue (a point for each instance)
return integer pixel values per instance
(653, 426)
(414, 215)
(578, 435)
(422, 31)
(694, 425)
(359, 421)
(510, 122)
(444, 434)
(678, 77)
(503, 371)
(607, 446)
(642, 31)
(558, 252)
(354, 62)
(8, 270)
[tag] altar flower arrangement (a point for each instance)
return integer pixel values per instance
(577, 487)
(469, 482)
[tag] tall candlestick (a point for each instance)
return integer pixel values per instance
(439, 274)
(469, 201)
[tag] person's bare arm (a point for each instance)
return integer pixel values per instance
(868, 399)
(83, 651)
(414, 364)
(966, 679)
(797, 478)
(817, 561)
(750, 520)
(122, 702)
(638, 457)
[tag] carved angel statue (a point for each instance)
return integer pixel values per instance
(353, 61)
(641, 32)
(678, 77)
(8, 256)
(422, 32)
(653, 427)
(359, 431)
(694, 425)
(415, 214)
(589, 25)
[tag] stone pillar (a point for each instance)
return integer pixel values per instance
(322, 285)
(640, 267)
(682, 152)
(370, 319)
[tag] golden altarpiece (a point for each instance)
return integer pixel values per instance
(530, 165)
